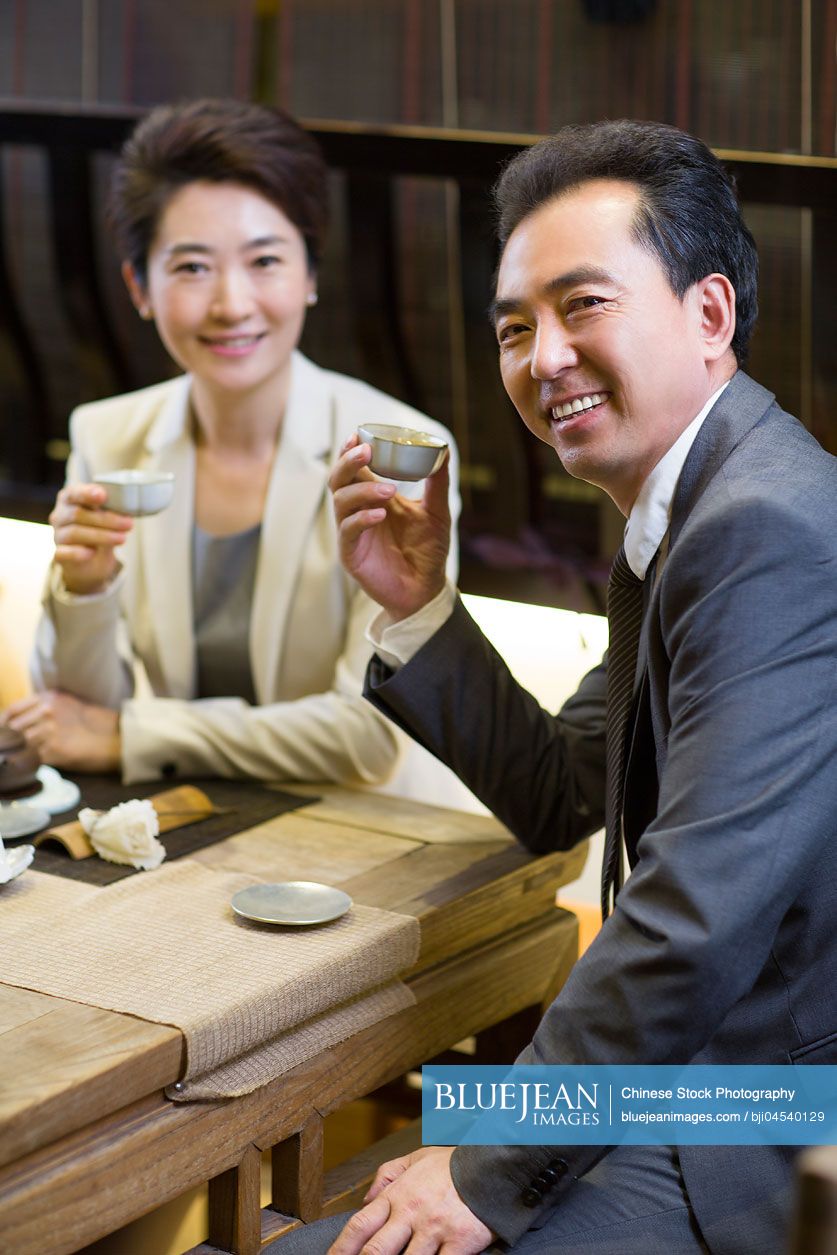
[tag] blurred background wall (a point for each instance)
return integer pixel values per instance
(407, 275)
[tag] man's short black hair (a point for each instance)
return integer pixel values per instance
(689, 213)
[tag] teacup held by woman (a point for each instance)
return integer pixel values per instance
(137, 492)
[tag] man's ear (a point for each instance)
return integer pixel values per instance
(136, 290)
(716, 310)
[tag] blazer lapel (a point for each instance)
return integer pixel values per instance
(164, 542)
(295, 492)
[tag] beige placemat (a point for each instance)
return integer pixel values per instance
(167, 947)
(35, 900)
(247, 1072)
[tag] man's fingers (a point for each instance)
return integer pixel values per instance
(350, 466)
(364, 495)
(361, 1227)
(436, 489)
(386, 1174)
(352, 529)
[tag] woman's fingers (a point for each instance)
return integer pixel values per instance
(24, 721)
(89, 537)
(82, 505)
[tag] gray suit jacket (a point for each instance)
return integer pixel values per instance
(723, 944)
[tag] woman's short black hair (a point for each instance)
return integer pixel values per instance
(217, 141)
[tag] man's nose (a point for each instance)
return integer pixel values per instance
(232, 299)
(553, 350)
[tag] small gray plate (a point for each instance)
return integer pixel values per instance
(293, 902)
(20, 820)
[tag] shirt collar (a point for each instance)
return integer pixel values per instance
(651, 513)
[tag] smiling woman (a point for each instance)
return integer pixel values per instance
(221, 636)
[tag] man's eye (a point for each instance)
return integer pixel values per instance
(266, 261)
(584, 302)
(190, 268)
(509, 331)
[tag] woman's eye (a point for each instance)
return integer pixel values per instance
(190, 268)
(265, 262)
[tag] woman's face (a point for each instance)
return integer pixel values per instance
(228, 284)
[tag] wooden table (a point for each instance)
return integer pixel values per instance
(88, 1141)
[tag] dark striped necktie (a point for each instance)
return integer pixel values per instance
(624, 618)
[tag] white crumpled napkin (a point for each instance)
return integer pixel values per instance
(127, 833)
(13, 862)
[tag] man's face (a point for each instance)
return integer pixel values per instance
(601, 359)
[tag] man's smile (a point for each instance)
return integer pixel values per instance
(576, 405)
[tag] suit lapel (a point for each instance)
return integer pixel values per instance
(297, 485)
(164, 542)
(736, 411)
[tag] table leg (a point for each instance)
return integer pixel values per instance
(297, 1185)
(234, 1206)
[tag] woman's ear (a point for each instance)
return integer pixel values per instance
(136, 290)
(717, 315)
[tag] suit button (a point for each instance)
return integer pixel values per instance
(558, 1166)
(548, 1178)
(168, 770)
(532, 1196)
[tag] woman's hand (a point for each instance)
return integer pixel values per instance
(395, 548)
(67, 732)
(86, 537)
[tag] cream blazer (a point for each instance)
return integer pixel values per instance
(133, 646)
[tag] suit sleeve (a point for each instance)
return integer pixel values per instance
(541, 774)
(748, 794)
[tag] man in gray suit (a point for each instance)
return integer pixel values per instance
(626, 297)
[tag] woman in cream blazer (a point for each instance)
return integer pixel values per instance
(219, 208)
(308, 647)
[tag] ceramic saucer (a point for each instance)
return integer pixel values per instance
(296, 902)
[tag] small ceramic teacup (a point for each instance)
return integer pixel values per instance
(137, 492)
(401, 452)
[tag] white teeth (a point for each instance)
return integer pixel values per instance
(239, 342)
(577, 405)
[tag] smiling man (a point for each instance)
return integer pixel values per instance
(625, 301)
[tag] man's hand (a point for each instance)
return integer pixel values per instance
(86, 536)
(394, 548)
(67, 732)
(412, 1203)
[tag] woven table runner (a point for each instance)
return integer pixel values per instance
(33, 900)
(243, 804)
(251, 1000)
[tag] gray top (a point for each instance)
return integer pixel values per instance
(223, 577)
